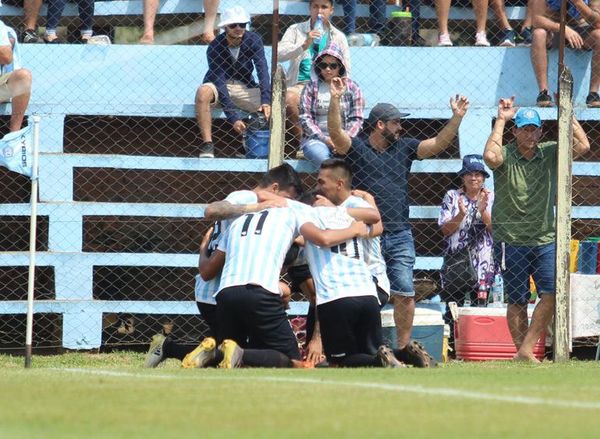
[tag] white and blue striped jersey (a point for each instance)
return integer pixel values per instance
(339, 271)
(205, 290)
(255, 246)
(373, 254)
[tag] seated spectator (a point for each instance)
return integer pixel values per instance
(465, 220)
(582, 32)
(314, 105)
(15, 82)
(297, 47)
(480, 8)
(31, 12)
(232, 57)
(210, 15)
(55, 11)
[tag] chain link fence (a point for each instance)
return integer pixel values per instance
(122, 189)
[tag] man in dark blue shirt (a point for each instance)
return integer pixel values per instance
(232, 58)
(381, 160)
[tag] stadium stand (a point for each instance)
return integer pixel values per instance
(81, 189)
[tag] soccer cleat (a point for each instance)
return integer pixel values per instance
(156, 353)
(593, 100)
(207, 150)
(508, 38)
(481, 40)
(232, 355)
(544, 99)
(387, 358)
(414, 353)
(444, 40)
(200, 356)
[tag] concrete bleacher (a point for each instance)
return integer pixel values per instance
(160, 82)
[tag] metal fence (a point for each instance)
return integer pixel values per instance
(122, 189)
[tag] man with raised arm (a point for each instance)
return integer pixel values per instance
(381, 159)
(523, 217)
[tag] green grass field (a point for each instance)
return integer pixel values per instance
(111, 395)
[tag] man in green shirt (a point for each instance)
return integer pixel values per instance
(523, 218)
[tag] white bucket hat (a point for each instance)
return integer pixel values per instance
(237, 14)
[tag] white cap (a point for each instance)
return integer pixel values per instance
(237, 14)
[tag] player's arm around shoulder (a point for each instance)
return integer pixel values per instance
(329, 238)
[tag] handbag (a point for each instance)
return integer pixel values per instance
(459, 275)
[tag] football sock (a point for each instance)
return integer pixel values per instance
(265, 358)
(359, 360)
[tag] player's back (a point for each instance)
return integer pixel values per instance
(255, 246)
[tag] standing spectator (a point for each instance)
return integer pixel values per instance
(381, 160)
(232, 57)
(55, 11)
(151, 7)
(297, 47)
(466, 222)
(582, 31)
(316, 144)
(15, 82)
(523, 217)
(480, 8)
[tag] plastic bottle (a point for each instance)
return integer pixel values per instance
(482, 294)
(467, 303)
(319, 25)
(498, 292)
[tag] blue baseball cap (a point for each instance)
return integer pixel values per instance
(473, 163)
(527, 116)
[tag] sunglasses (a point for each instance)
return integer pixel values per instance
(332, 66)
(234, 25)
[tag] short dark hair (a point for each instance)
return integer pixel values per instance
(309, 197)
(285, 176)
(340, 167)
(330, 1)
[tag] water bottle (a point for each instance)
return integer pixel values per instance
(319, 25)
(482, 294)
(498, 291)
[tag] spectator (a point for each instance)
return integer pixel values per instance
(55, 11)
(297, 47)
(381, 159)
(31, 12)
(581, 32)
(314, 103)
(15, 82)
(480, 8)
(523, 217)
(232, 57)
(465, 220)
(151, 7)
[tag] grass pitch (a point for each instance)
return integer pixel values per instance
(111, 395)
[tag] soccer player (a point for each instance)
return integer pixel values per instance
(249, 309)
(281, 180)
(334, 182)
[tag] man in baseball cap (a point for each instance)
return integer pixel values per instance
(525, 180)
(380, 159)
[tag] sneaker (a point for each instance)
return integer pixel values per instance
(199, 357)
(444, 40)
(525, 36)
(507, 38)
(593, 100)
(387, 358)
(30, 36)
(207, 150)
(232, 355)
(156, 353)
(544, 99)
(414, 353)
(481, 40)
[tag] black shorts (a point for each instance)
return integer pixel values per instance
(298, 274)
(255, 318)
(351, 325)
(209, 314)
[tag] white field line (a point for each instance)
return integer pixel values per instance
(400, 388)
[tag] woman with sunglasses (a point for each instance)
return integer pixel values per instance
(314, 105)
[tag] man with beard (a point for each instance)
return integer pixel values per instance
(380, 159)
